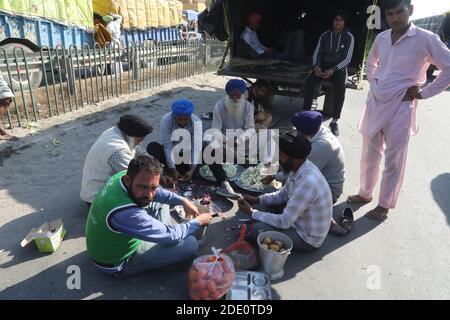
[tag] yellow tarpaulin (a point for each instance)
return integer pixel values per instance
(194, 5)
(163, 13)
(180, 10)
(152, 13)
(123, 11)
(6, 5)
(75, 12)
(79, 12)
(141, 19)
(131, 8)
(174, 19)
(105, 7)
(85, 12)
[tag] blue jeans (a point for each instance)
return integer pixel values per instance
(151, 255)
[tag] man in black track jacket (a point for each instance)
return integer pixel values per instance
(331, 58)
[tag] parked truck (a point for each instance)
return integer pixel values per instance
(28, 26)
(226, 19)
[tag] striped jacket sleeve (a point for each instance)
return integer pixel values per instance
(317, 57)
(350, 45)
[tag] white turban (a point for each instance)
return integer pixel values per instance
(5, 91)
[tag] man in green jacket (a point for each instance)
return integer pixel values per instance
(123, 238)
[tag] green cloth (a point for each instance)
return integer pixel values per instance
(105, 245)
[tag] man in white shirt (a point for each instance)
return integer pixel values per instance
(294, 47)
(306, 219)
(111, 153)
(233, 112)
(113, 25)
(251, 38)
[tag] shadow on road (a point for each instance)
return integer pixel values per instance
(440, 187)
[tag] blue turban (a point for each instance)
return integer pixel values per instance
(307, 122)
(182, 107)
(235, 84)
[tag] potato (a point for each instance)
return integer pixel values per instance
(265, 246)
(267, 240)
(279, 243)
(274, 247)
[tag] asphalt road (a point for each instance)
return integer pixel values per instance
(405, 257)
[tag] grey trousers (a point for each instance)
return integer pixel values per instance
(171, 257)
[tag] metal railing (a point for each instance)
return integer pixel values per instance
(55, 81)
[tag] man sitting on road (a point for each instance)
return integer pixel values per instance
(255, 95)
(182, 117)
(233, 112)
(6, 97)
(123, 238)
(306, 218)
(111, 153)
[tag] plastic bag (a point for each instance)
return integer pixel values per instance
(242, 254)
(210, 277)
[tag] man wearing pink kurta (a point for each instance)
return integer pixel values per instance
(396, 69)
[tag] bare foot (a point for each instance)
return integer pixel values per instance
(356, 198)
(379, 213)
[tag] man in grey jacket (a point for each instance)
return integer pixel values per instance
(332, 56)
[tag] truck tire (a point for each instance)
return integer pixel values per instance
(35, 77)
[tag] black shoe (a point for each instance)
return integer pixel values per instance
(347, 219)
(334, 128)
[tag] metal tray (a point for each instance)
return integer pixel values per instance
(249, 285)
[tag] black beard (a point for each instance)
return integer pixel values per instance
(136, 200)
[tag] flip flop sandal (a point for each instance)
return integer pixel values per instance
(347, 219)
(376, 216)
(350, 201)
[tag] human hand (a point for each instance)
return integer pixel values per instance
(318, 72)
(327, 74)
(267, 180)
(174, 174)
(205, 218)
(244, 206)
(260, 116)
(166, 181)
(412, 93)
(250, 199)
(190, 209)
(189, 174)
